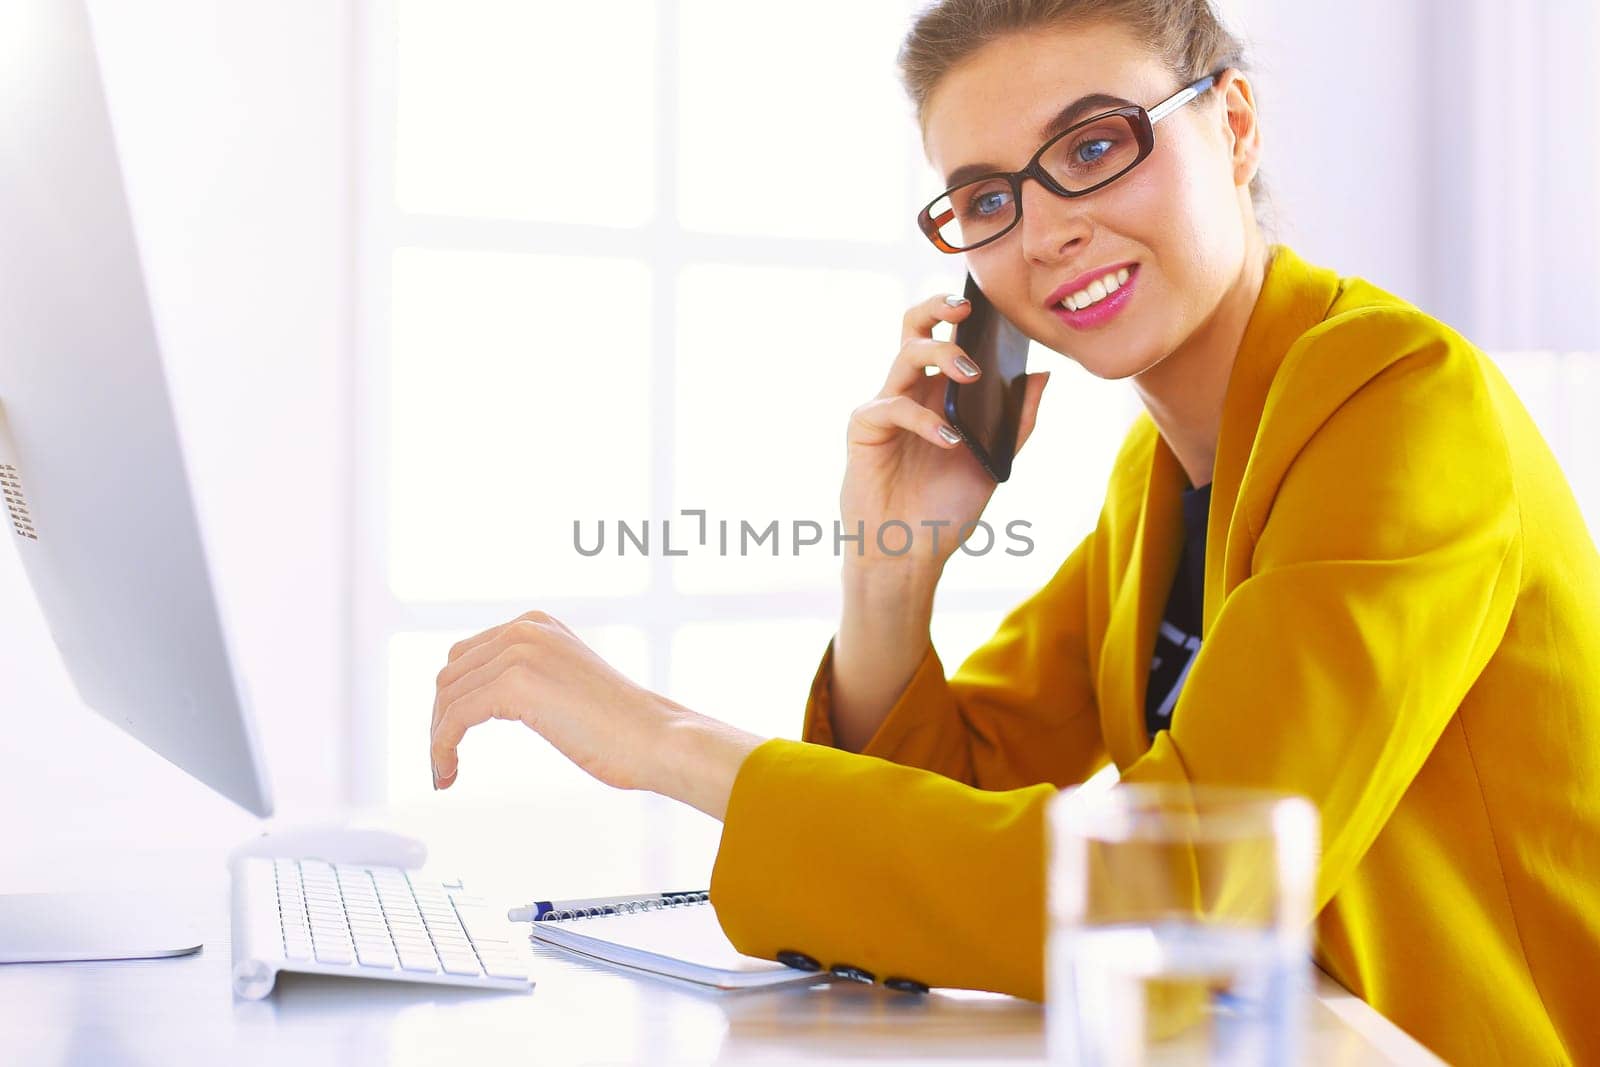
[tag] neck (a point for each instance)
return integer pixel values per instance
(1184, 392)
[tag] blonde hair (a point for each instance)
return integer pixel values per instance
(1188, 36)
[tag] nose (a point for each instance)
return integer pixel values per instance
(1053, 227)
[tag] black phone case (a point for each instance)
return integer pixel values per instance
(998, 467)
(998, 471)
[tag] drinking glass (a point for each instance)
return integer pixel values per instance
(1180, 925)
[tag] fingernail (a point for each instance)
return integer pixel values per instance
(966, 365)
(955, 301)
(948, 434)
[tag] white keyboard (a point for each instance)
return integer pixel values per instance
(364, 922)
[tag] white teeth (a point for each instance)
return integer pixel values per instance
(1097, 290)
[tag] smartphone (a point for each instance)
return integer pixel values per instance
(986, 412)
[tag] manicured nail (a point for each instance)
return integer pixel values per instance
(948, 434)
(955, 301)
(966, 365)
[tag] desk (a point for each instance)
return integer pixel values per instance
(182, 1011)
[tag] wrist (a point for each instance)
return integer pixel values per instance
(698, 758)
(887, 610)
(899, 584)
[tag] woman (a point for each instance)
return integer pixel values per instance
(1395, 600)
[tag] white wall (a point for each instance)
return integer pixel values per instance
(1338, 93)
(234, 123)
(1447, 150)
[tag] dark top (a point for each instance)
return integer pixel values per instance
(1178, 639)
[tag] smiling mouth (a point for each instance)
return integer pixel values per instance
(1097, 290)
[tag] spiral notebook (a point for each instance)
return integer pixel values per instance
(679, 939)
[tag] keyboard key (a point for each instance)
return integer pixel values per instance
(503, 965)
(334, 953)
(411, 937)
(465, 963)
(375, 955)
(419, 961)
(506, 969)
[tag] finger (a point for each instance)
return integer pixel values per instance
(911, 363)
(469, 653)
(467, 644)
(1033, 392)
(502, 698)
(920, 319)
(880, 419)
(503, 657)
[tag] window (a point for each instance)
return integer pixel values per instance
(609, 272)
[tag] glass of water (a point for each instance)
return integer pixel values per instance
(1180, 925)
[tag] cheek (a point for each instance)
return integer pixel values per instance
(1004, 280)
(1160, 202)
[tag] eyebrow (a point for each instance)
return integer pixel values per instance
(1063, 118)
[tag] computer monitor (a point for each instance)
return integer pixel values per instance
(96, 495)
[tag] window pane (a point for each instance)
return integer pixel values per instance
(520, 403)
(499, 760)
(771, 361)
(529, 111)
(792, 121)
(956, 634)
(753, 674)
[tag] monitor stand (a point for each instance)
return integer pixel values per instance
(59, 927)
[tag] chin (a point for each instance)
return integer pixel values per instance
(1113, 366)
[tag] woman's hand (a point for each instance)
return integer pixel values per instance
(535, 670)
(899, 466)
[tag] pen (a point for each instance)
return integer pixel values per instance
(544, 910)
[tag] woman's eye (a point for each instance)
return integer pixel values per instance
(1091, 151)
(988, 203)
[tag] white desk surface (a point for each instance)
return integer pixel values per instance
(182, 1011)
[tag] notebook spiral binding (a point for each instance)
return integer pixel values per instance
(674, 900)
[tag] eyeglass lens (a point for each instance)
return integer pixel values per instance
(1087, 156)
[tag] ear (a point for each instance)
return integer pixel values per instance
(1242, 131)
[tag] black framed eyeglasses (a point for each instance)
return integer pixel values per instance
(985, 208)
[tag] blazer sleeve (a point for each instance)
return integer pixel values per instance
(901, 871)
(1018, 711)
(1383, 577)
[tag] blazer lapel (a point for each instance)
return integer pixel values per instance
(1136, 614)
(1294, 297)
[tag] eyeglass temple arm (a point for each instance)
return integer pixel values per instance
(1183, 96)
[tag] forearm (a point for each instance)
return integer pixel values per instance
(883, 636)
(696, 758)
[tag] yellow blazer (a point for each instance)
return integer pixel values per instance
(1401, 621)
